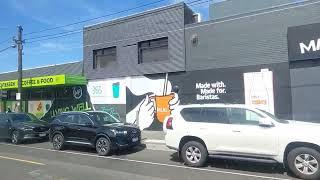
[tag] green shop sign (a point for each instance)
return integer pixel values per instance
(62, 79)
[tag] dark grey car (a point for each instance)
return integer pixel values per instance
(21, 126)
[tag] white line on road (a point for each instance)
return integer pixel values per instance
(22, 160)
(151, 163)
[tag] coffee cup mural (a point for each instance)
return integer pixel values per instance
(116, 90)
(158, 103)
(162, 106)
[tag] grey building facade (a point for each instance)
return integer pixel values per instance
(217, 61)
(260, 39)
(125, 36)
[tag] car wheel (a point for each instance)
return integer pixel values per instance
(304, 163)
(194, 154)
(15, 137)
(103, 146)
(58, 142)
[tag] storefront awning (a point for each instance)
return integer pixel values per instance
(42, 81)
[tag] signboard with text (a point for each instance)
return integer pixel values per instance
(34, 82)
(304, 42)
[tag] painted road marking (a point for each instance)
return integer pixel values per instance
(22, 160)
(151, 163)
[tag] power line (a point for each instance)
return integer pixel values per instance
(6, 40)
(95, 18)
(5, 49)
(63, 34)
(55, 37)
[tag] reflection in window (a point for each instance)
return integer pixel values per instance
(244, 116)
(103, 57)
(153, 50)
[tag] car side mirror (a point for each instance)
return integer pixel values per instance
(265, 122)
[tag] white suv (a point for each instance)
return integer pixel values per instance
(245, 133)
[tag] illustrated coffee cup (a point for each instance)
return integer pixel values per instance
(162, 106)
(116, 89)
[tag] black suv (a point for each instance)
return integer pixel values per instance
(94, 128)
(22, 126)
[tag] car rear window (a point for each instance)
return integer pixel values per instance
(192, 114)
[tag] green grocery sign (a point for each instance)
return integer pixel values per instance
(62, 79)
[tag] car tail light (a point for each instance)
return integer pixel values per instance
(169, 123)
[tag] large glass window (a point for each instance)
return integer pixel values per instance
(215, 115)
(83, 120)
(70, 119)
(153, 50)
(244, 116)
(192, 114)
(103, 57)
(207, 115)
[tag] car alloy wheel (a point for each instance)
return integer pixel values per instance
(103, 146)
(15, 137)
(306, 164)
(193, 154)
(57, 142)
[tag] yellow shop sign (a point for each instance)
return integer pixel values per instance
(35, 82)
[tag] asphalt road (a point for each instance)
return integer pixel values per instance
(38, 161)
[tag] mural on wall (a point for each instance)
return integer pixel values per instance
(76, 99)
(148, 100)
(259, 90)
(109, 96)
(13, 106)
(39, 108)
(117, 111)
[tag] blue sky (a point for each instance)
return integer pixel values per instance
(36, 15)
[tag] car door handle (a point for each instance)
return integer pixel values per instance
(237, 131)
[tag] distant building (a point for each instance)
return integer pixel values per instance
(47, 90)
(229, 8)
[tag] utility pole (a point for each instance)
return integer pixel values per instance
(19, 46)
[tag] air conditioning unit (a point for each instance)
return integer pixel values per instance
(196, 17)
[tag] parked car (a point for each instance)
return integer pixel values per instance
(20, 126)
(94, 128)
(244, 133)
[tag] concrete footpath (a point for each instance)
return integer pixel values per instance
(154, 140)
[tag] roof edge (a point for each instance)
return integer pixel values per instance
(44, 66)
(135, 15)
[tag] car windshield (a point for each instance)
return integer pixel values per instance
(274, 117)
(20, 117)
(103, 118)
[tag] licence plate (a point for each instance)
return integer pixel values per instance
(42, 134)
(135, 139)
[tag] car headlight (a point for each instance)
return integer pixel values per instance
(117, 132)
(26, 129)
